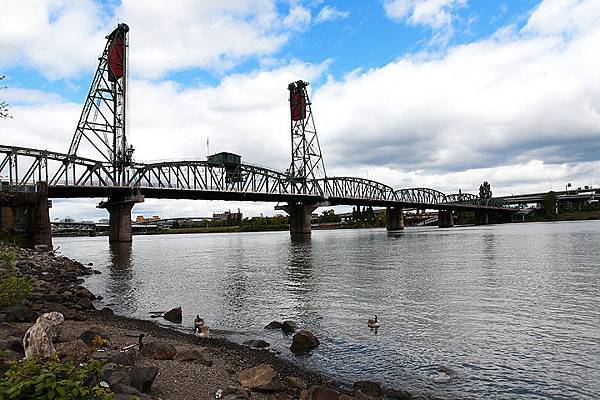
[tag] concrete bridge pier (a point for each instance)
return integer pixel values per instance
(445, 219)
(299, 217)
(119, 210)
(25, 216)
(482, 218)
(394, 219)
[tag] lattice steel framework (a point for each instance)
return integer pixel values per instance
(102, 123)
(357, 188)
(102, 126)
(421, 195)
(307, 161)
(21, 166)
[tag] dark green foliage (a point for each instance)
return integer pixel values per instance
(328, 216)
(14, 287)
(485, 191)
(31, 379)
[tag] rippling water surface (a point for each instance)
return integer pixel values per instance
(511, 309)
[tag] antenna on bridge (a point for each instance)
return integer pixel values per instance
(102, 121)
(307, 161)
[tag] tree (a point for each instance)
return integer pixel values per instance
(3, 104)
(485, 191)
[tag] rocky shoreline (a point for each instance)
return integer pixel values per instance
(171, 364)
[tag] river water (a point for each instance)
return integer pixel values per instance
(512, 310)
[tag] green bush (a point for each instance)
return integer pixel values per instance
(31, 379)
(7, 258)
(13, 286)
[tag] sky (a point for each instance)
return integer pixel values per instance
(412, 93)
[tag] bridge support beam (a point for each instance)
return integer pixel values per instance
(299, 217)
(394, 219)
(445, 219)
(119, 210)
(482, 218)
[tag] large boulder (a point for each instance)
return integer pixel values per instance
(235, 393)
(398, 394)
(294, 382)
(74, 349)
(273, 325)
(174, 315)
(303, 342)
(159, 351)
(261, 378)
(15, 313)
(142, 378)
(122, 358)
(85, 293)
(12, 343)
(289, 327)
(86, 303)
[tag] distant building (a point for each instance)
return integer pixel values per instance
(139, 219)
(227, 216)
(155, 218)
(103, 221)
(67, 219)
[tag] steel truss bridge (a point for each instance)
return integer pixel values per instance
(109, 169)
(72, 177)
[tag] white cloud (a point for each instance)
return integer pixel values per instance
(199, 33)
(329, 13)
(60, 38)
(489, 103)
(298, 18)
(564, 16)
(432, 13)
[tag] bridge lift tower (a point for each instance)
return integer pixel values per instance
(102, 127)
(307, 165)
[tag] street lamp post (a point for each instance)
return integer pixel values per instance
(567, 186)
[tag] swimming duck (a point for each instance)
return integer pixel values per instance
(372, 323)
(201, 332)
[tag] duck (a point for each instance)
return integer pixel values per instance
(140, 341)
(132, 347)
(202, 332)
(198, 322)
(373, 323)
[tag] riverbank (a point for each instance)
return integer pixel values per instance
(183, 366)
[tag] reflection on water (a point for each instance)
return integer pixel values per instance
(510, 310)
(120, 273)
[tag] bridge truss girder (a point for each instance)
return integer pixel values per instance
(73, 176)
